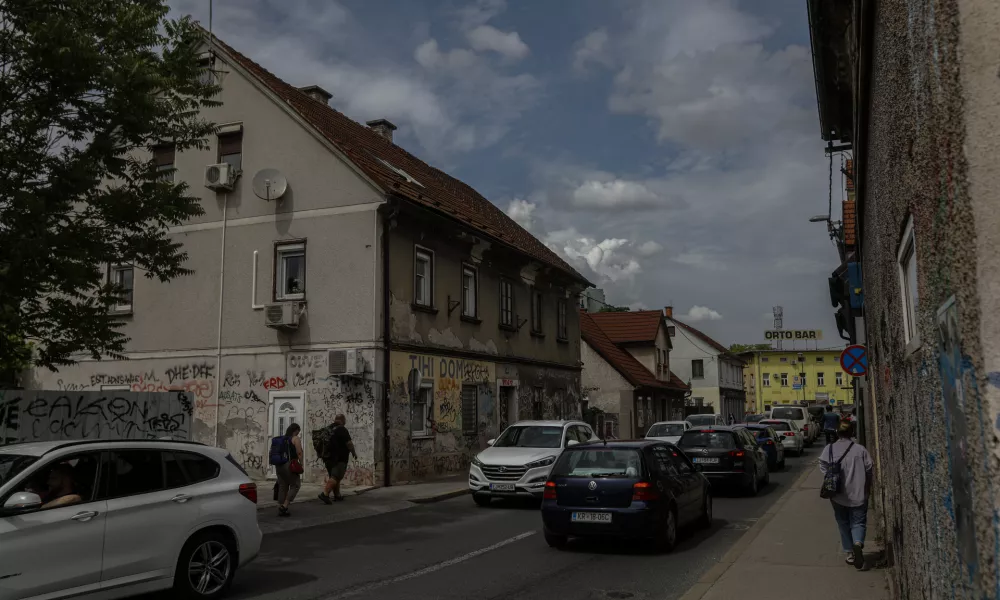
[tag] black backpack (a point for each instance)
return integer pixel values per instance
(831, 479)
(279, 453)
(323, 441)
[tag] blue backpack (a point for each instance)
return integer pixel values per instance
(279, 454)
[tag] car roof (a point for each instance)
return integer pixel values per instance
(43, 448)
(640, 443)
(669, 423)
(711, 428)
(550, 422)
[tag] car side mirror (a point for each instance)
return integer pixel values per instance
(22, 502)
(572, 443)
(490, 442)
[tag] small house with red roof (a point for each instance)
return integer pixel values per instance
(627, 381)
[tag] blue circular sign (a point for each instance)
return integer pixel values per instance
(854, 360)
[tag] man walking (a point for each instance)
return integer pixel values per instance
(831, 421)
(338, 451)
(850, 503)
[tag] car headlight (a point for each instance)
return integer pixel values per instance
(477, 462)
(548, 460)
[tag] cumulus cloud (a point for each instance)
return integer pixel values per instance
(430, 56)
(592, 49)
(508, 44)
(521, 211)
(701, 313)
(649, 248)
(611, 195)
(608, 258)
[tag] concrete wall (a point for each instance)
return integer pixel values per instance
(688, 347)
(605, 389)
(933, 155)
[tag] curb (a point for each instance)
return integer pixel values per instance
(712, 576)
(439, 497)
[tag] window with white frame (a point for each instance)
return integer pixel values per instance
(122, 276)
(506, 303)
(820, 379)
(163, 159)
(839, 378)
(765, 379)
(420, 415)
(698, 369)
(290, 271)
(470, 291)
(907, 258)
(423, 278)
(784, 380)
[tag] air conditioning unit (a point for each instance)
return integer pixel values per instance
(220, 177)
(346, 362)
(283, 315)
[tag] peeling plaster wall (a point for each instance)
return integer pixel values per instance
(933, 154)
(604, 388)
(239, 395)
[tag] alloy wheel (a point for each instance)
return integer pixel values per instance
(671, 532)
(209, 567)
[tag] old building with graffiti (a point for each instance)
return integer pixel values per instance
(367, 274)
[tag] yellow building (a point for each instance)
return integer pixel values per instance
(792, 376)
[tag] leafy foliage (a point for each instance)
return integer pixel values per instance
(737, 348)
(611, 308)
(90, 87)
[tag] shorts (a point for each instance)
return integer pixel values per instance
(336, 470)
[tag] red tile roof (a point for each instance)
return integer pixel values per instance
(631, 369)
(630, 327)
(436, 190)
(704, 337)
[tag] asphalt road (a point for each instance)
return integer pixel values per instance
(453, 549)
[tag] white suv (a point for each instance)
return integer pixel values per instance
(109, 519)
(800, 416)
(518, 462)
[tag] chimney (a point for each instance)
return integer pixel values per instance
(668, 312)
(382, 127)
(317, 93)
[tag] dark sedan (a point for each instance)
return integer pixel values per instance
(727, 454)
(643, 489)
(770, 441)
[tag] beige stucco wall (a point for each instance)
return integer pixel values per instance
(605, 388)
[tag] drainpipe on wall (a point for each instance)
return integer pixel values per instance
(222, 285)
(387, 218)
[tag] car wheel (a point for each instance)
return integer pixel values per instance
(767, 476)
(206, 567)
(752, 487)
(481, 499)
(706, 512)
(555, 541)
(666, 537)
(781, 465)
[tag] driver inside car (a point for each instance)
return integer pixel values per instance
(61, 489)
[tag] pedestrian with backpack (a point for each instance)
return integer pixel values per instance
(286, 456)
(337, 447)
(847, 481)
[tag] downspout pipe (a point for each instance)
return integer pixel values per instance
(388, 214)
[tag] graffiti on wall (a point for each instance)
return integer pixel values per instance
(29, 416)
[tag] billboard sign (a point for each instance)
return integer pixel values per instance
(793, 334)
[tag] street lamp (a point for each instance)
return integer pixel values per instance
(819, 218)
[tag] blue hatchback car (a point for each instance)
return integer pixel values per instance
(644, 489)
(769, 440)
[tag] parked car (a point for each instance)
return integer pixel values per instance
(770, 441)
(518, 462)
(643, 489)
(728, 455)
(700, 420)
(800, 416)
(753, 418)
(667, 431)
(118, 518)
(791, 438)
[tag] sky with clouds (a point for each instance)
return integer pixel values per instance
(669, 149)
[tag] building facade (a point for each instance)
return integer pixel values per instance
(324, 299)
(627, 381)
(796, 376)
(910, 89)
(714, 374)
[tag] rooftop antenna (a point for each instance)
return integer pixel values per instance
(778, 323)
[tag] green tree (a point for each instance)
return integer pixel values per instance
(89, 88)
(737, 348)
(611, 308)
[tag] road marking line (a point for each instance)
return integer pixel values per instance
(432, 568)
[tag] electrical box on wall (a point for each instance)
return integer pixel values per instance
(346, 362)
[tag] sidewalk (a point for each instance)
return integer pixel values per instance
(795, 546)
(359, 502)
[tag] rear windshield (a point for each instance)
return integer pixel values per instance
(707, 439)
(753, 418)
(701, 420)
(665, 430)
(603, 462)
(795, 414)
(778, 425)
(530, 436)
(12, 464)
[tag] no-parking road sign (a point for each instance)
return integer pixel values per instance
(854, 360)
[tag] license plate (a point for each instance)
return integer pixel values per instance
(591, 517)
(706, 461)
(501, 487)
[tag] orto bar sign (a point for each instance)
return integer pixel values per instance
(794, 334)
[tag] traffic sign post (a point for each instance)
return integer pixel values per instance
(854, 360)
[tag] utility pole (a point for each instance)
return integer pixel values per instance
(778, 312)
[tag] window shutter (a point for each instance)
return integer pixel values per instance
(470, 412)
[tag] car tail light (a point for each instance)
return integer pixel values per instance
(644, 492)
(789, 434)
(736, 453)
(249, 491)
(770, 443)
(550, 491)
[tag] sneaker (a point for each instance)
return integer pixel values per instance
(849, 559)
(859, 555)
(338, 498)
(283, 512)
(324, 498)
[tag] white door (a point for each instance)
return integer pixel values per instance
(286, 408)
(56, 550)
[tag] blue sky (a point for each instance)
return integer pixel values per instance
(668, 148)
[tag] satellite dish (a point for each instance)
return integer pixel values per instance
(269, 184)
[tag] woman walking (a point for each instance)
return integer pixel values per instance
(289, 473)
(852, 467)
